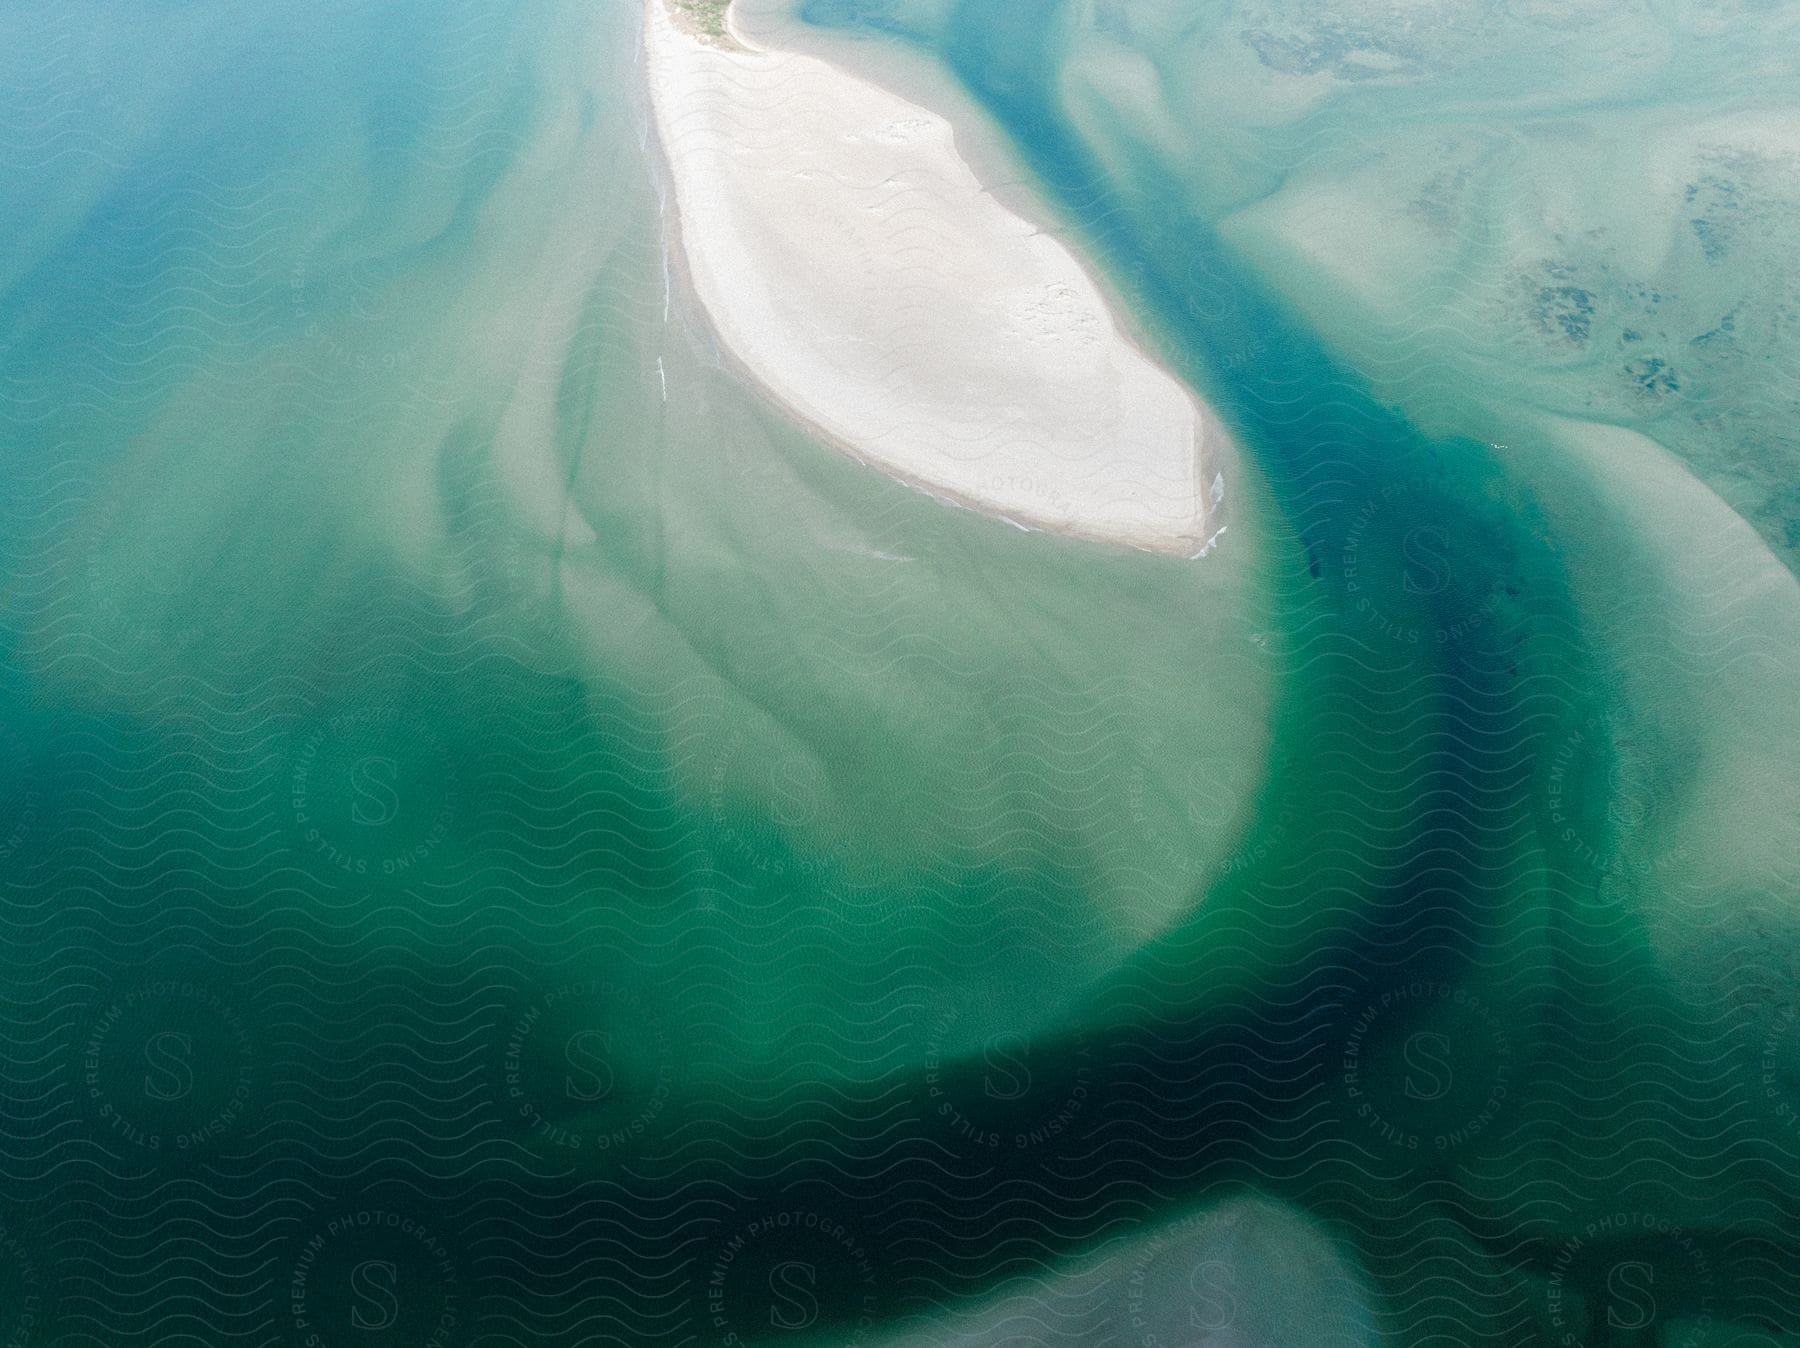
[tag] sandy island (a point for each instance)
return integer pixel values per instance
(852, 263)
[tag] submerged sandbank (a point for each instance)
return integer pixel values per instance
(851, 261)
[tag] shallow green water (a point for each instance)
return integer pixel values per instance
(505, 840)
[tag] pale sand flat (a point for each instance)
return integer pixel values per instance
(852, 263)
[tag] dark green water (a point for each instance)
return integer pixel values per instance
(504, 841)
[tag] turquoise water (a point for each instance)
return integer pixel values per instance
(505, 840)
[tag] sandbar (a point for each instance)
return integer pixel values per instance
(852, 263)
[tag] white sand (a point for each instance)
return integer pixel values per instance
(851, 261)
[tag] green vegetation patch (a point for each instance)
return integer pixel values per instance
(706, 17)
